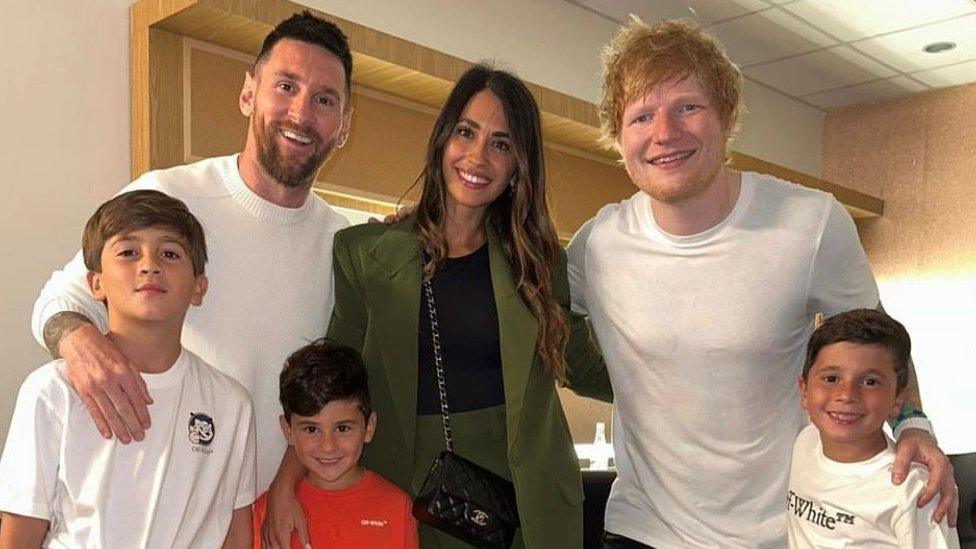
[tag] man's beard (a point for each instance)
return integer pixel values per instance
(694, 185)
(290, 173)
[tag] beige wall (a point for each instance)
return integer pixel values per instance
(919, 155)
(65, 105)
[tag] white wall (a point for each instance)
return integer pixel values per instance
(550, 42)
(557, 44)
(65, 106)
(781, 130)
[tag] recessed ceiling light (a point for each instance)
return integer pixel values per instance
(939, 47)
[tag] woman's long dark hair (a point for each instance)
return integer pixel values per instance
(520, 216)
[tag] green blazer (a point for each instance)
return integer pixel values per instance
(378, 287)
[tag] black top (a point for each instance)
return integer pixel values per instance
(468, 323)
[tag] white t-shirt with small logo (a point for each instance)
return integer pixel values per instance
(176, 488)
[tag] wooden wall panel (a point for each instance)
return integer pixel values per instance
(386, 147)
(166, 98)
(216, 124)
(579, 186)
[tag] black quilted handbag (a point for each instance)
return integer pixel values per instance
(459, 497)
(468, 501)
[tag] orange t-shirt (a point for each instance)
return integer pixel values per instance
(371, 513)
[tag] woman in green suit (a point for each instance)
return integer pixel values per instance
(482, 235)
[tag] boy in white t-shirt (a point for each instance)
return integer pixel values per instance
(190, 482)
(840, 490)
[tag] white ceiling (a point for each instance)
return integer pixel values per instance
(829, 53)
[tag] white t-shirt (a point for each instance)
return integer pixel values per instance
(176, 488)
(704, 337)
(270, 290)
(834, 504)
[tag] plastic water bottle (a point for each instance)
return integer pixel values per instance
(600, 454)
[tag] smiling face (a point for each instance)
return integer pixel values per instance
(478, 160)
(298, 112)
(849, 392)
(147, 276)
(330, 443)
(672, 141)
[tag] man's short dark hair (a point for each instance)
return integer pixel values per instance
(308, 28)
(864, 327)
(319, 373)
(137, 210)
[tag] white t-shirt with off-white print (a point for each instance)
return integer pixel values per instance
(846, 505)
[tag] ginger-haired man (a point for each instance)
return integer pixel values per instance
(701, 289)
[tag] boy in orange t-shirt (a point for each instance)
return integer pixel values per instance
(327, 419)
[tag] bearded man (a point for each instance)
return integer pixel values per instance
(270, 269)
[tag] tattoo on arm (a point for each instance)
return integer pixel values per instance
(59, 326)
(913, 399)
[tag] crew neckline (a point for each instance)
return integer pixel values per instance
(254, 204)
(174, 374)
(856, 468)
(646, 216)
(356, 487)
(483, 249)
